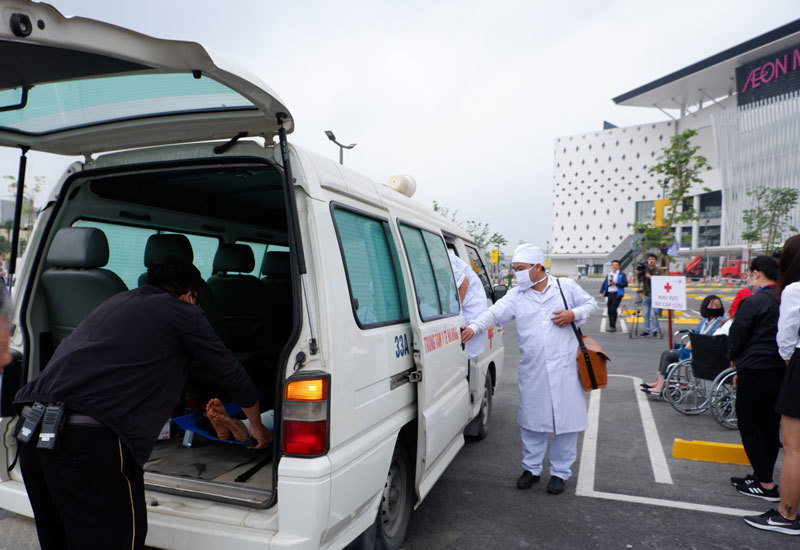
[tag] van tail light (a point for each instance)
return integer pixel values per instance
(306, 414)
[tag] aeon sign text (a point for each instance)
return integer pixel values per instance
(769, 76)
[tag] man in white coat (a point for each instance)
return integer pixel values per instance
(473, 299)
(551, 398)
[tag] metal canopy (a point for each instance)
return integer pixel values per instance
(711, 78)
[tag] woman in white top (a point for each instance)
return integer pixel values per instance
(785, 520)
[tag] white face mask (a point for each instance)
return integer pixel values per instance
(524, 279)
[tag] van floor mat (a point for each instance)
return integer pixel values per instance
(206, 460)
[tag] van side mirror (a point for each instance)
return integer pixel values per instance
(498, 292)
(10, 383)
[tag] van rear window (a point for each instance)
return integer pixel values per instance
(376, 287)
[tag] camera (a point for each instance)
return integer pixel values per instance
(641, 268)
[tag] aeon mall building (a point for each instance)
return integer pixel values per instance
(744, 103)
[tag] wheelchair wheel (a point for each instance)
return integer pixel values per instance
(671, 388)
(687, 394)
(723, 400)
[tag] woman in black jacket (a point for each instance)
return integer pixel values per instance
(753, 352)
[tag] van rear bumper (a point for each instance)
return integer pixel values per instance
(177, 533)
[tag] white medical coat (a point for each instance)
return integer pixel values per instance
(474, 301)
(551, 398)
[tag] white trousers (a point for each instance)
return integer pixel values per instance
(563, 452)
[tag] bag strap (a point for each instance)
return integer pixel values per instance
(579, 336)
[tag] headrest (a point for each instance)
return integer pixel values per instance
(78, 247)
(276, 264)
(234, 257)
(161, 246)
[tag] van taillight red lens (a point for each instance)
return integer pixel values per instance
(304, 438)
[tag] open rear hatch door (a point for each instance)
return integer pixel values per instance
(75, 86)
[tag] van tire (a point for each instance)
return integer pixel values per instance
(394, 510)
(479, 427)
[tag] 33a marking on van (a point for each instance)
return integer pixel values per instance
(401, 345)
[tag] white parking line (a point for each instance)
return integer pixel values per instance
(586, 476)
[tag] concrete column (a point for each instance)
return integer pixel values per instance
(696, 223)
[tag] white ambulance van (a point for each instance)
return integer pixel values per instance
(335, 292)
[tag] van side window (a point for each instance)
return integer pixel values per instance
(476, 263)
(259, 251)
(126, 245)
(437, 295)
(125, 249)
(376, 288)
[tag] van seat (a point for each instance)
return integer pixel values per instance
(241, 296)
(161, 246)
(75, 284)
(277, 283)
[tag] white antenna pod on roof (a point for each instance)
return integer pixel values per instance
(402, 184)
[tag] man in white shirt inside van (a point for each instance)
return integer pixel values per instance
(473, 299)
(551, 398)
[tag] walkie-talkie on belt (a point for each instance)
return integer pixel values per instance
(51, 426)
(32, 420)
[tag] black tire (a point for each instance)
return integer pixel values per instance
(479, 426)
(394, 511)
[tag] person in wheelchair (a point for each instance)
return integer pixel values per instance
(753, 352)
(713, 316)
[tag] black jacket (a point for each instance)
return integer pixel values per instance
(751, 340)
(126, 364)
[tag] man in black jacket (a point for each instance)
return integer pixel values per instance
(119, 376)
(753, 351)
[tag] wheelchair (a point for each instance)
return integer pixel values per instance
(703, 381)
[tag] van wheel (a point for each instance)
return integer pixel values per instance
(479, 427)
(397, 500)
(391, 524)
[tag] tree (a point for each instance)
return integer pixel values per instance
(28, 206)
(479, 231)
(28, 198)
(680, 168)
(768, 222)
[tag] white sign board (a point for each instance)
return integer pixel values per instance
(668, 292)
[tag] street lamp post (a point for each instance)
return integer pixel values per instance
(341, 146)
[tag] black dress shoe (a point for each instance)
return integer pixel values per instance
(644, 334)
(556, 485)
(526, 480)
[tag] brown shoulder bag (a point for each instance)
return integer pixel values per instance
(591, 357)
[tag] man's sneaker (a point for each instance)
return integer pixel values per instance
(611, 329)
(773, 521)
(758, 491)
(749, 479)
(655, 335)
(526, 480)
(644, 334)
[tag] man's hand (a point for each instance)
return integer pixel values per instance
(647, 274)
(466, 334)
(563, 317)
(262, 435)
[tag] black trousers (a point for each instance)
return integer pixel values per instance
(89, 493)
(759, 424)
(613, 304)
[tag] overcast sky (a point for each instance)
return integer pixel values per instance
(468, 97)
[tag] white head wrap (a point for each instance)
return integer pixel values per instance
(528, 254)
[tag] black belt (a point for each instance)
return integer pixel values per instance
(72, 418)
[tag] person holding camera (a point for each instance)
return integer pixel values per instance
(614, 289)
(646, 274)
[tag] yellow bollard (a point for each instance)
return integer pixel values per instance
(708, 451)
